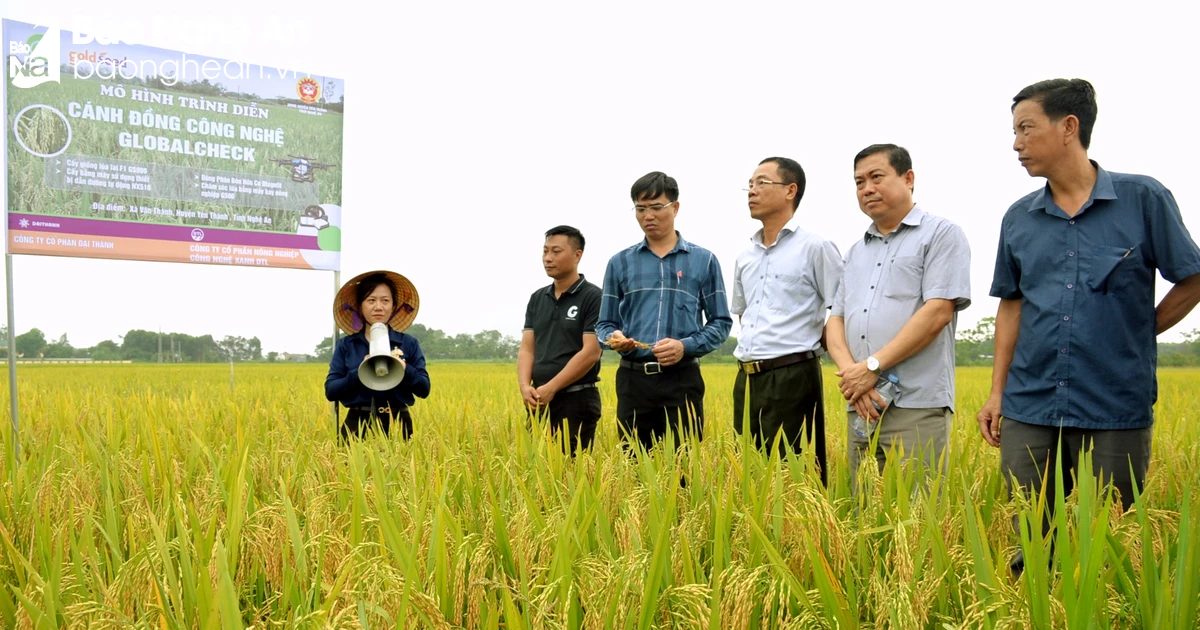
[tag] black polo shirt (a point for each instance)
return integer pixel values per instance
(558, 327)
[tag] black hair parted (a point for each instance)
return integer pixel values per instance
(1060, 98)
(897, 156)
(652, 185)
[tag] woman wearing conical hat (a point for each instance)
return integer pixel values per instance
(390, 299)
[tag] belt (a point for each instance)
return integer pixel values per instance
(578, 388)
(654, 367)
(754, 367)
(380, 410)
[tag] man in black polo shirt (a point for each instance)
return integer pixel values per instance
(559, 361)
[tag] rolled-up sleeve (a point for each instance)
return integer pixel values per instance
(1006, 277)
(838, 307)
(1175, 252)
(737, 298)
(948, 267)
(828, 269)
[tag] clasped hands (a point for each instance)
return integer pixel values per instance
(858, 388)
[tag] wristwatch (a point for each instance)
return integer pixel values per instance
(873, 364)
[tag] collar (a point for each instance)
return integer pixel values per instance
(912, 219)
(574, 287)
(680, 244)
(1102, 189)
(791, 227)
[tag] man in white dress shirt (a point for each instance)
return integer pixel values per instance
(783, 286)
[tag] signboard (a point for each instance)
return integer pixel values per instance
(118, 150)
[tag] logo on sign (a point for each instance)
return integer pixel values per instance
(308, 90)
(572, 312)
(197, 234)
(35, 60)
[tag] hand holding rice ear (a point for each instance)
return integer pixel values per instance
(348, 304)
(636, 343)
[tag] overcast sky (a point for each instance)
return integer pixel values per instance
(471, 128)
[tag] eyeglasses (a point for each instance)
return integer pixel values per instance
(654, 207)
(763, 182)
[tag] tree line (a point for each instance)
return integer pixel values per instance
(973, 347)
(141, 346)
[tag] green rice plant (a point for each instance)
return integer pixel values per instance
(155, 497)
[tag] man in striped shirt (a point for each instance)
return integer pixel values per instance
(664, 306)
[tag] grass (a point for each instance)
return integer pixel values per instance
(156, 497)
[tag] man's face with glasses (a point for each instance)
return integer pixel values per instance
(766, 193)
(656, 216)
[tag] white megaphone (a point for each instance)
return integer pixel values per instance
(380, 371)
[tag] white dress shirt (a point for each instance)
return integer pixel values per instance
(782, 292)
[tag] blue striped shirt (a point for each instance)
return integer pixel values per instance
(650, 298)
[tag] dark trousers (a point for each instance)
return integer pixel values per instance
(649, 404)
(788, 399)
(1028, 451)
(578, 411)
(359, 421)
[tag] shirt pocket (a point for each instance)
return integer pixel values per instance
(687, 313)
(786, 291)
(904, 277)
(1110, 268)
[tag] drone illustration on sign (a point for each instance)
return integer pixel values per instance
(303, 168)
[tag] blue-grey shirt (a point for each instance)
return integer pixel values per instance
(650, 298)
(1086, 353)
(887, 280)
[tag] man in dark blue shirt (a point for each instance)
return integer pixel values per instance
(655, 294)
(1075, 332)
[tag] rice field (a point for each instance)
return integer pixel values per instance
(160, 497)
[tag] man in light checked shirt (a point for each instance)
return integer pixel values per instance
(784, 283)
(895, 313)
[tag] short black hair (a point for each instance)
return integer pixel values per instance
(792, 173)
(897, 156)
(574, 236)
(1064, 97)
(368, 285)
(651, 185)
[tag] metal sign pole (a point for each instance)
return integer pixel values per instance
(8, 277)
(337, 284)
(12, 360)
